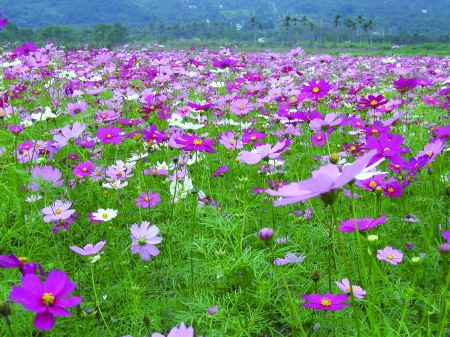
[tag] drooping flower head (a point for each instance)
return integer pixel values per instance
(22, 263)
(89, 249)
(46, 299)
(324, 182)
(363, 224)
(356, 291)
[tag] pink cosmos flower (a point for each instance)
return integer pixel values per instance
(357, 291)
(390, 255)
(144, 239)
(363, 224)
(213, 310)
(289, 258)
(325, 302)
(89, 249)
(46, 300)
(58, 211)
(182, 331)
(148, 199)
(326, 179)
(262, 151)
(111, 134)
(241, 107)
(69, 133)
(227, 139)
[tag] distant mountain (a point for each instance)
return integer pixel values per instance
(417, 16)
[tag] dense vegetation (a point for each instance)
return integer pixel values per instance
(419, 16)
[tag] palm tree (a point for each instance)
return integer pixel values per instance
(351, 25)
(359, 20)
(336, 23)
(287, 24)
(253, 23)
(369, 26)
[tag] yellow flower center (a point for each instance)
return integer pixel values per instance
(241, 107)
(390, 190)
(378, 189)
(105, 215)
(294, 100)
(325, 302)
(386, 149)
(147, 198)
(198, 142)
(108, 136)
(319, 138)
(429, 153)
(373, 102)
(372, 184)
(84, 169)
(23, 259)
(58, 211)
(253, 138)
(390, 256)
(48, 299)
(232, 142)
(315, 90)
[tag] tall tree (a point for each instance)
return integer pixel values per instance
(337, 23)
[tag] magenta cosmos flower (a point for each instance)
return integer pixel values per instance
(58, 211)
(325, 302)
(22, 263)
(46, 300)
(363, 224)
(148, 199)
(182, 331)
(323, 181)
(357, 291)
(144, 240)
(195, 143)
(390, 255)
(111, 134)
(316, 89)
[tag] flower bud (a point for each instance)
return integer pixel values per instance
(416, 260)
(373, 239)
(266, 233)
(445, 248)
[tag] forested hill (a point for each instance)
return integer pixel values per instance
(416, 16)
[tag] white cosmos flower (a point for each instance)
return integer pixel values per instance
(104, 214)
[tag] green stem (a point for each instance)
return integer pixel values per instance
(291, 302)
(347, 268)
(406, 305)
(362, 263)
(444, 306)
(8, 323)
(97, 304)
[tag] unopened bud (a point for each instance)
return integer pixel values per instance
(266, 234)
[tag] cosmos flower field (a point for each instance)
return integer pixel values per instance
(216, 192)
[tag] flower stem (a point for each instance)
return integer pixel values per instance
(291, 301)
(97, 304)
(444, 306)
(406, 305)
(347, 268)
